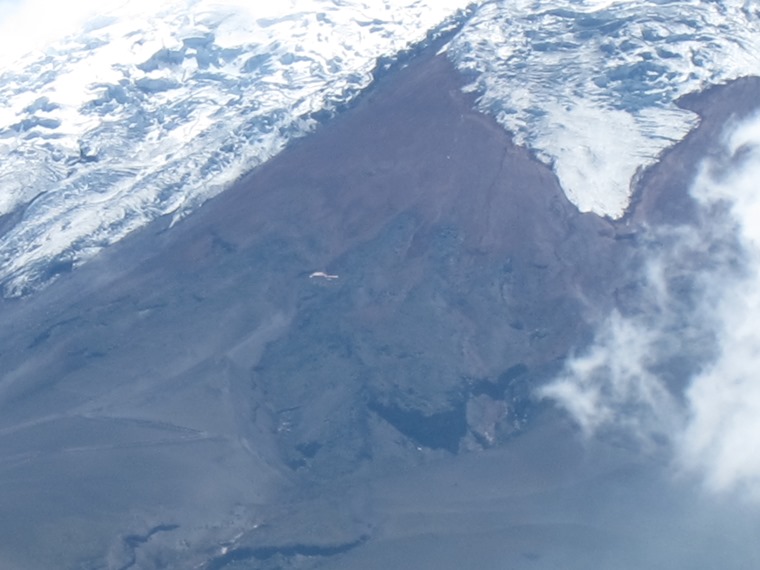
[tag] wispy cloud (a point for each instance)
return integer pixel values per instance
(685, 369)
(612, 384)
(723, 430)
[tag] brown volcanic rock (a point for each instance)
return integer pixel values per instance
(458, 257)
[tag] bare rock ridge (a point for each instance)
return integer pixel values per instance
(209, 381)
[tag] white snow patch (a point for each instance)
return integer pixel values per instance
(591, 85)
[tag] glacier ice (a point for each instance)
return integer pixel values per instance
(591, 85)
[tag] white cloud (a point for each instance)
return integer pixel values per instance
(724, 400)
(703, 306)
(616, 375)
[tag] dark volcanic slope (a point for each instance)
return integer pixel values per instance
(194, 396)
